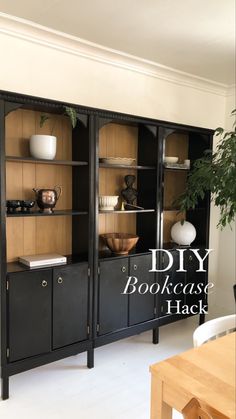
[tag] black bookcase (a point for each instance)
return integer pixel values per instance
(54, 312)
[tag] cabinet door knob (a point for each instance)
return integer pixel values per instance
(135, 267)
(190, 258)
(59, 280)
(123, 269)
(44, 283)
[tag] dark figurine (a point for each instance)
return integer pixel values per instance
(129, 194)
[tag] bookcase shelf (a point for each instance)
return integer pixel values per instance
(44, 214)
(125, 166)
(44, 161)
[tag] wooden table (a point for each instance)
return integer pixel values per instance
(206, 373)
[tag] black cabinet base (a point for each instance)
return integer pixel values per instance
(5, 388)
(201, 318)
(155, 335)
(90, 358)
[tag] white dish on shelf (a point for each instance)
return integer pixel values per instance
(117, 160)
(108, 202)
(170, 159)
(176, 166)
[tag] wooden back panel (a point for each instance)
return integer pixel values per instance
(36, 234)
(176, 145)
(116, 140)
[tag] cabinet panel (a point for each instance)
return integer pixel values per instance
(113, 305)
(70, 304)
(29, 314)
(193, 277)
(173, 279)
(141, 306)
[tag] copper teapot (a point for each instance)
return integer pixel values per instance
(47, 198)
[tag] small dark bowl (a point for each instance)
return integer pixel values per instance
(12, 205)
(26, 205)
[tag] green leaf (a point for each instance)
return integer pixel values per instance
(43, 119)
(71, 112)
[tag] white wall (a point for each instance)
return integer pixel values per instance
(226, 270)
(43, 68)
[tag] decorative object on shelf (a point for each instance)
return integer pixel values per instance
(129, 193)
(215, 173)
(168, 159)
(187, 163)
(43, 146)
(183, 233)
(26, 205)
(120, 243)
(47, 198)
(182, 166)
(129, 207)
(108, 202)
(117, 160)
(48, 259)
(13, 205)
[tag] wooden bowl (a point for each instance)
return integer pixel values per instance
(120, 243)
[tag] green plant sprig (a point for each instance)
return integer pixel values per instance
(214, 173)
(71, 112)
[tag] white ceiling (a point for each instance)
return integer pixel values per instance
(194, 36)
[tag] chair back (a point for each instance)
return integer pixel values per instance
(213, 329)
(198, 410)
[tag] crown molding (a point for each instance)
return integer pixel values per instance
(231, 90)
(50, 38)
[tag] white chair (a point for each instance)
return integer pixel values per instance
(213, 329)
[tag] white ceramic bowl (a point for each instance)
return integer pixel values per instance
(43, 146)
(107, 202)
(170, 159)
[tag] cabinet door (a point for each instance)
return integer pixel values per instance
(113, 305)
(196, 278)
(172, 278)
(141, 306)
(29, 314)
(70, 304)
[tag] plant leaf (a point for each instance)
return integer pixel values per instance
(71, 112)
(43, 119)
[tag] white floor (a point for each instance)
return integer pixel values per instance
(117, 388)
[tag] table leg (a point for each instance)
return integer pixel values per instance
(159, 409)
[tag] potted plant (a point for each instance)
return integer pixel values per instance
(45, 146)
(215, 172)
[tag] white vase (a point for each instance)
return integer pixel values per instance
(43, 146)
(183, 234)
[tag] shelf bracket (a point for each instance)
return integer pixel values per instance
(10, 106)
